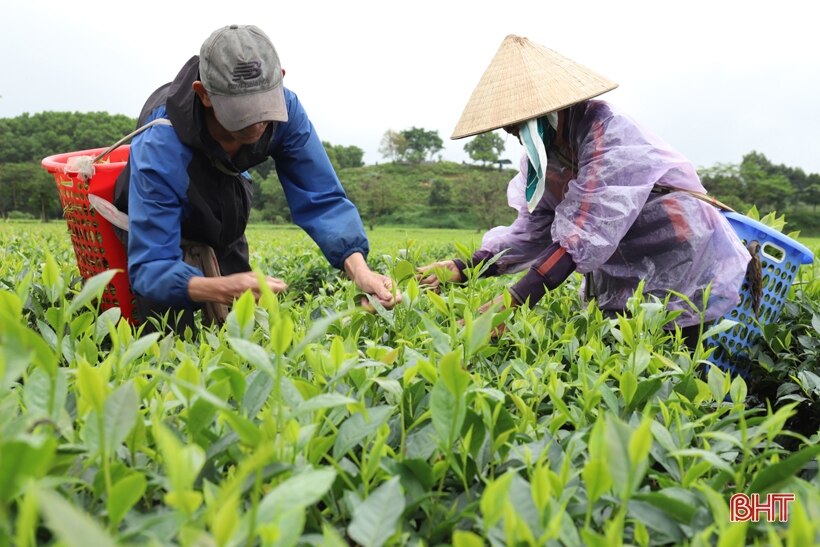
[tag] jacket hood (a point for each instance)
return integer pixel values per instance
(182, 105)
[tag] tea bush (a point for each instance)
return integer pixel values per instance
(306, 420)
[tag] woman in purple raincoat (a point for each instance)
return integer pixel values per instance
(596, 193)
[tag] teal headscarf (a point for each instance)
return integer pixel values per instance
(537, 136)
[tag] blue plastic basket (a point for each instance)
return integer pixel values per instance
(780, 258)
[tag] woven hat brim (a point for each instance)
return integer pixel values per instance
(524, 81)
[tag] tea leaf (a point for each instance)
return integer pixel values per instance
(617, 441)
(376, 519)
(120, 414)
(323, 401)
(92, 289)
(249, 433)
(494, 499)
(464, 538)
(775, 475)
(358, 427)
(124, 495)
(448, 413)
(802, 531)
(403, 270)
(452, 374)
(281, 335)
(92, 386)
(74, 527)
(597, 479)
(137, 349)
(628, 385)
(24, 458)
(253, 354)
(298, 491)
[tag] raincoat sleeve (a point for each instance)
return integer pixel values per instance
(618, 164)
(156, 201)
(317, 201)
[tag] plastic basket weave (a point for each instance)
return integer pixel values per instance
(780, 258)
(96, 246)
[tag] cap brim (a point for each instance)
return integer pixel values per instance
(236, 112)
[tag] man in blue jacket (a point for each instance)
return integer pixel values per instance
(226, 111)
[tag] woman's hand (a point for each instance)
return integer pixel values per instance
(432, 275)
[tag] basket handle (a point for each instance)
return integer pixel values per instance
(128, 137)
(767, 248)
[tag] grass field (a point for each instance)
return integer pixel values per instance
(382, 238)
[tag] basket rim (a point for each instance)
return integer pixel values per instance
(807, 257)
(56, 162)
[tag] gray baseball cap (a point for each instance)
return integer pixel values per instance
(240, 70)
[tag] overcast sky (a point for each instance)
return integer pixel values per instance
(717, 78)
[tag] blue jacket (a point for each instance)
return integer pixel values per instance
(180, 184)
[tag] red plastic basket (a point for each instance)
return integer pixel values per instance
(95, 244)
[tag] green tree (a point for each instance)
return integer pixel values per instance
(754, 182)
(766, 186)
(724, 182)
(349, 156)
(393, 146)
(33, 137)
(269, 199)
(486, 147)
(485, 188)
(28, 188)
(440, 194)
(342, 157)
(421, 144)
(264, 169)
(810, 194)
(373, 196)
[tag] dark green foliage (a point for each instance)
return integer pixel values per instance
(758, 182)
(398, 193)
(307, 421)
(30, 138)
(460, 196)
(29, 190)
(440, 194)
(342, 156)
(485, 147)
(27, 139)
(421, 144)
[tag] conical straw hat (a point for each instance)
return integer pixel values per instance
(524, 81)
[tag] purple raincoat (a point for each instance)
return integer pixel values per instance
(599, 206)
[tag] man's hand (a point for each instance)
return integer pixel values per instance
(370, 282)
(227, 288)
(432, 275)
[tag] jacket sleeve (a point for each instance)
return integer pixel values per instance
(317, 201)
(156, 201)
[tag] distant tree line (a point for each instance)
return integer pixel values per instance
(757, 181)
(28, 191)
